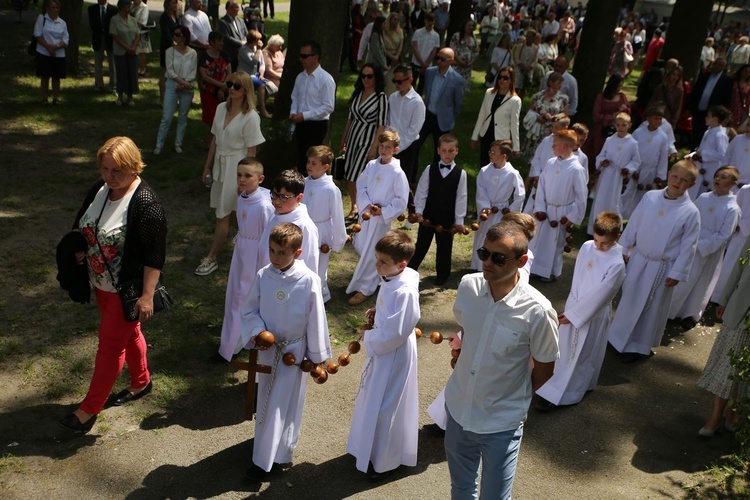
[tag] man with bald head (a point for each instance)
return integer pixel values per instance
(569, 86)
(443, 98)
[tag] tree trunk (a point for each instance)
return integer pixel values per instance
(460, 11)
(71, 13)
(592, 59)
(687, 34)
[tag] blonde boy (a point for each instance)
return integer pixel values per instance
(560, 203)
(598, 276)
(658, 245)
(254, 210)
(385, 423)
(286, 300)
(719, 216)
(325, 208)
(382, 194)
(618, 159)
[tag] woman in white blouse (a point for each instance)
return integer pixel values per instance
(181, 67)
(52, 37)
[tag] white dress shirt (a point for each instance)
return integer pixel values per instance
(198, 24)
(314, 95)
(406, 115)
(423, 188)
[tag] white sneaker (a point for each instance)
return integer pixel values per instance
(206, 267)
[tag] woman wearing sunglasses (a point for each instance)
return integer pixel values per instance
(498, 116)
(368, 111)
(181, 65)
(235, 135)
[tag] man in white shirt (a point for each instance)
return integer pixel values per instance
(313, 100)
(406, 117)
(569, 86)
(505, 323)
(425, 44)
(197, 22)
(552, 26)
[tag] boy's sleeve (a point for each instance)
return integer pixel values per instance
(598, 295)
(252, 323)
(716, 149)
(602, 155)
(581, 194)
(710, 244)
(634, 162)
(461, 199)
(662, 166)
(363, 197)
(399, 199)
(540, 202)
(397, 327)
(423, 189)
(338, 232)
(482, 197)
(318, 342)
(691, 231)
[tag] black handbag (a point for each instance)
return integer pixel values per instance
(130, 291)
(31, 49)
(339, 167)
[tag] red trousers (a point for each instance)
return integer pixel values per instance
(119, 341)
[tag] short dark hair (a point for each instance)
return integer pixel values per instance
(185, 32)
(401, 68)
(215, 35)
(397, 245)
(505, 147)
(720, 112)
(322, 153)
(314, 47)
(291, 180)
(287, 235)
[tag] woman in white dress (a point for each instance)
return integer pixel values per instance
(235, 135)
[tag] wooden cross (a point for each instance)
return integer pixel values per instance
(252, 368)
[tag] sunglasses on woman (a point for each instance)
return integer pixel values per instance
(497, 258)
(234, 85)
(177, 34)
(368, 76)
(503, 77)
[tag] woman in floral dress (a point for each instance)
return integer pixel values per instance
(466, 50)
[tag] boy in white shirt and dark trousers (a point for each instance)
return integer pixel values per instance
(719, 215)
(598, 276)
(325, 208)
(286, 300)
(738, 155)
(441, 199)
(710, 154)
(254, 210)
(385, 424)
(382, 195)
(618, 159)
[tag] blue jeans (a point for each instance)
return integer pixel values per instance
(499, 456)
(173, 99)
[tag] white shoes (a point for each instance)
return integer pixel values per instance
(206, 267)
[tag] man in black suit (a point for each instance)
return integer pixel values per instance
(234, 30)
(100, 14)
(711, 89)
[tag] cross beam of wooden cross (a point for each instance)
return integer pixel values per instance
(252, 368)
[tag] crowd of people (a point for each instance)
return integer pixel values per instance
(667, 263)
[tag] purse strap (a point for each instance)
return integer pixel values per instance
(96, 237)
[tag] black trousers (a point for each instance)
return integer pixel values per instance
(418, 78)
(444, 243)
(308, 133)
(266, 4)
(408, 158)
(430, 127)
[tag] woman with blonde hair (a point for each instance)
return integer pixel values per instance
(274, 58)
(393, 43)
(235, 135)
(125, 229)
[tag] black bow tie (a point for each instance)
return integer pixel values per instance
(443, 165)
(386, 280)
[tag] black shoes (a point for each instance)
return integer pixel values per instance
(376, 477)
(544, 405)
(125, 396)
(71, 423)
(256, 474)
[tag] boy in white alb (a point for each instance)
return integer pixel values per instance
(560, 203)
(737, 243)
(325, 208)
(286, 196)
(582, 133)
(598, 276)
(711, 152)
(382, 194)
(254, 210)
(617, 160)
(738, 155)
(653, 149)
(385, 424)
(542, 155)
(719, 215)
(658, 246)
(286, 300)
(499, 190)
